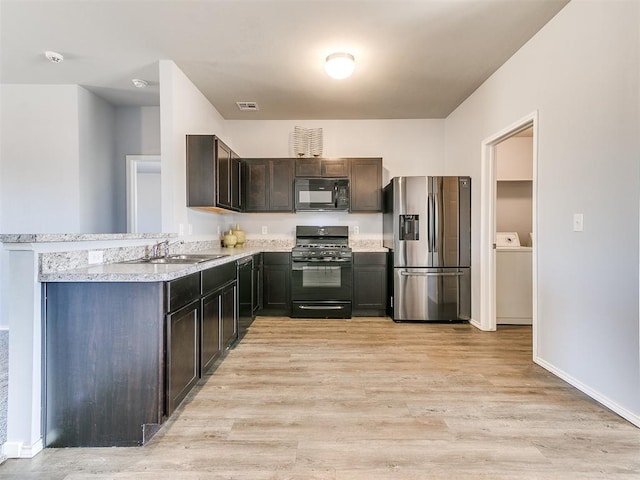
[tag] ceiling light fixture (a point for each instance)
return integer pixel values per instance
(138, 83)
(340, 65)
(53, 57)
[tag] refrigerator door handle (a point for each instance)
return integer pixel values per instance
(429, 223)
(431, 274)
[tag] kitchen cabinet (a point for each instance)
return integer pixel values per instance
(121, 356)
(369, 284)
(276, 284)
(183, 339)
(219, 313)
(220, 286)
(365, 185)
(268, 185)
(322, 167)
(213, 174)
(258, 272)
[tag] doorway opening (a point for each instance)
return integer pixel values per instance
(144, 204)
(490, 224)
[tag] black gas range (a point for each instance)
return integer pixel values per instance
(321, 275)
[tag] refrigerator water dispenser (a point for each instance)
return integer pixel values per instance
(409, 227)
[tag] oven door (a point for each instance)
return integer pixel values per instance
(321, 289)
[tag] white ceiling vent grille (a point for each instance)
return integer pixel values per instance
(248, 106)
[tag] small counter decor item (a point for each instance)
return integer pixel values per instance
(315, 141)
(300, 141)
(240, 236)
(229, 240)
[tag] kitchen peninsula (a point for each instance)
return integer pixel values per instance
(60, 262)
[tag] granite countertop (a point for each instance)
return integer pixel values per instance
(78, 237)
(145, 272)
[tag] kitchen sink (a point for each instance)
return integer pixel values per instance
(182, 258)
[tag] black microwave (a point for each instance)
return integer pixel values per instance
(321, 194)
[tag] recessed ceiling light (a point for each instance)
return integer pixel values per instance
(139, 83)
(53, 57)
(340, 65)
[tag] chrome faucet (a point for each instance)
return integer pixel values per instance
(161, 249)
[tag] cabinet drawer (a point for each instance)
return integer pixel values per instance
(182, 291)
(216, 277)
(276, 258)
(370, 258)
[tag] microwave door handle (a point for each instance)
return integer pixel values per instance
(335, 195)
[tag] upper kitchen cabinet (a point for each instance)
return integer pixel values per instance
(322, 167)
(268, 185)
(366, 185)
(213, 174)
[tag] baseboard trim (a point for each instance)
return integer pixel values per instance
(597, 396)
(20, 450)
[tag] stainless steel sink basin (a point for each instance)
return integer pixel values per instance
(183, 258)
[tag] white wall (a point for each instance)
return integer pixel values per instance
(580, 72)
(57, 163)
(97, 163)
(137, 133)
(39, 159)
(407, 147)
(184, 110)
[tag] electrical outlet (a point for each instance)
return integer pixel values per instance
(190, 229)
(181, 229)
(265, 230)
(218, 229)
(578, 222)
(95, 256)
(356, 230)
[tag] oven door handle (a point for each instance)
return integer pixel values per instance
(336, 260)
(321, 307)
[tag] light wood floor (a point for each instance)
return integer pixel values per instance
(368, 399)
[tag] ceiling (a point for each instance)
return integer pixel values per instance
(414, 59)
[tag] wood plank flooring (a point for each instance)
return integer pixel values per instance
(368, 399)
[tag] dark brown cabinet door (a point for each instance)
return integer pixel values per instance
(268, 185)
(256, 186)
(223, 174)
(335, 168)
(366, 185)
(276, 283)
(229, 305)
(308, 167)
(201, 174)
(369, 284)
(210, 331)
(183, 354)
(322, 167)
(281, 185)
(235, 182)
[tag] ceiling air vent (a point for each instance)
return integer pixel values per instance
(247, 106)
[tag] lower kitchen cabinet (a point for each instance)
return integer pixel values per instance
(120, 357)
(369, 284)
(183, 353)
(276, 300)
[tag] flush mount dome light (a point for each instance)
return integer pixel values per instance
(53, 57)
(139, 83)
(340, 65)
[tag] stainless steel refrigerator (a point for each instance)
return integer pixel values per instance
(427, 228)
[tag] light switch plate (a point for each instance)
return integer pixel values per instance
(578, 222)
(265, 230)
(356, 230)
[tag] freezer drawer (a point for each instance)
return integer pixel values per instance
(431, 294)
